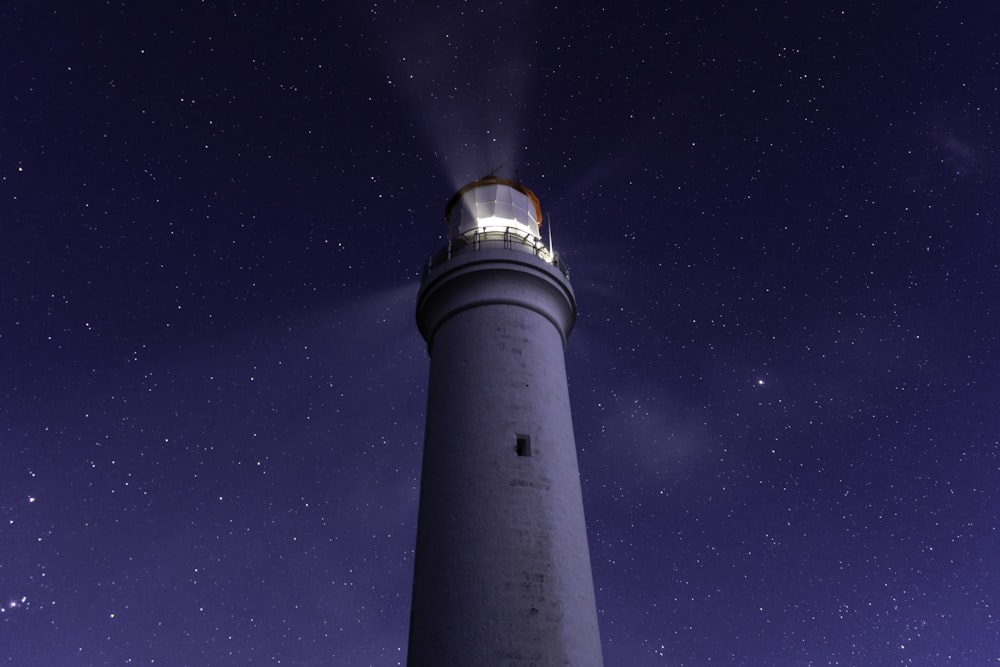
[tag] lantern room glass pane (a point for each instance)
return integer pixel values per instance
(494, 207)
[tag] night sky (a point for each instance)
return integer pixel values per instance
(782, 222)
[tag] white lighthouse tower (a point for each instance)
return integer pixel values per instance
(502, 573)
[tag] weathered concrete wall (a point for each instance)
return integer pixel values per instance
(502, 573)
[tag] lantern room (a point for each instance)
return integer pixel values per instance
(493, 204)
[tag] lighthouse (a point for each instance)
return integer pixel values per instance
(502, 571)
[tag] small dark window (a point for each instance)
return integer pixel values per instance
(522, 444)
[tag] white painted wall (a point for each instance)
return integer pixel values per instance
(503, 571)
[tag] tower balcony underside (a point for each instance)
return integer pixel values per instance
(494, 274)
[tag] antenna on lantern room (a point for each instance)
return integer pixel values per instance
(552, 248)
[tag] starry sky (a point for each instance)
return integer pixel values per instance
(781, 221)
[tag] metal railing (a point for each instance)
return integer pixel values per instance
(494, 239)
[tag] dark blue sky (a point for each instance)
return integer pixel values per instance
(781, 223)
